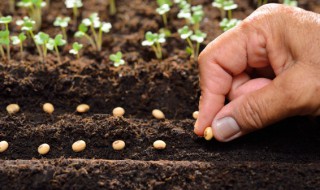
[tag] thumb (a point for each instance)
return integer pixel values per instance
(285, 96)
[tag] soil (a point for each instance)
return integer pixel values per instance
(283, 156)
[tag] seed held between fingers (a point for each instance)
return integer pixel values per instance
(3, 146)
(195, 114)
(158, 114)
(159, 144)
(43, 149)
(118, 145)
(82, 108)
(13, 108)
(48, 108)
(208, 134)
(78, 146)
(118, 112)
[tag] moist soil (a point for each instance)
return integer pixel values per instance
(283, 156)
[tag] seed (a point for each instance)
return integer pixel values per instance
(118, 145)
(118, 112)
(13, 108)
(78, 146)
(195, 114)
(43, 149)
(208, 134)
(159, 144)
(158, 114)
(48, 108)
(3, 146)
(82, 108)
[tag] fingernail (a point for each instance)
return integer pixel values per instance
(226, 129)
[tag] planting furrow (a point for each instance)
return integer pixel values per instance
(129, 174)
(25, 132)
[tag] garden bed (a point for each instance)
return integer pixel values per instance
(284, 155)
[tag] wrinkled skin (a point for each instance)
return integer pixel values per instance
(268, 67)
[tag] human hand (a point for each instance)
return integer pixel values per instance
(269, 69)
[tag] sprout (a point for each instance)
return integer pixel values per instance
(117, 59)
(225, 5)
(53, 44)
(185, 11)
(290, 3)
(112, 7)
(185, 34)
(5, 35)
(154, 40)
(18, 40)
(63, 23)
(94, 23)
(198, 37)
(74, 5)
(34, 10)
(227, 24)
(162, 10)
(42, 40)
(197, 16)
(76, 47)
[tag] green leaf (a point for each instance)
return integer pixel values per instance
(59, 41)
(4, 38)
(162, 2)
(83, 28)
(5, 20)
(22, 37)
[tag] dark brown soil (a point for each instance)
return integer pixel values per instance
(283, 156)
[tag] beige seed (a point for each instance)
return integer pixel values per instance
(43, 149)
(3, 146)
(82, 108)
(118, 112)
(195, 114)
(208, 134)
(159, 144)
(118, 145)
(13, 108)
(78, 146)
(48, 108)
(158, 114)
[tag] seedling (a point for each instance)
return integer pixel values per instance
(74, 5)
(63, 23)
(164, 7)
(5, 36)
(225, 5)
(76, 47)
(27, 25)
(94, 23)
(117, 59)
(227, 24)
(53, 44)
(197, 16)
(34, 8)
(198, 37)
(290, 3)
(18, 40)
(112, 7)
(185, 34)
(154, 40)
(42, 40)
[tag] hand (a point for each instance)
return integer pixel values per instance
(269, 69)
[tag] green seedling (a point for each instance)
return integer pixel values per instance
(74, 5)
(18, 40)
(34, 8)
(162, 10)
(185, 10)
(42, 39)
(53, 45)
(5, 35)
(198, 37)
(185, 34)
(290, 3)
(63, 24)
(227, 24)
(261, 2)
(197, 16)
(155, 40)
(117, 59)
(112, 7)
(225, 5)
(96, 27)
(76, 47)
